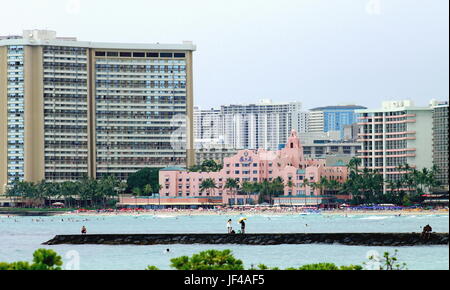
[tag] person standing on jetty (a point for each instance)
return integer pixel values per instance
(83, 230)
(229, 227)
(241, 221)
(426, 233)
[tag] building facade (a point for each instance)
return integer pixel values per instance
(397, 134)
(440, 142)
(254, 166)
(251, 126)
(315, 122)
(208, 128)
(218, 154)
(71, 108)
(335, 118)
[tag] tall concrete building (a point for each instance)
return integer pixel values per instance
(315, 122)
(397, 134)
(263, 125)
(208, 128)
(440, 141)
(70, 108)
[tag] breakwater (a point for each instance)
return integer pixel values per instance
(355, 239)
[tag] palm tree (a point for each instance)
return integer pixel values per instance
(232, 185)
(265, 190)
(148, 190)
(354, 164)
(277, 187)
(137, 191)
(247, 188)
(208, 185)
(290, 185)
(334, 186)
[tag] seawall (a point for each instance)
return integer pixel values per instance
(360, 239)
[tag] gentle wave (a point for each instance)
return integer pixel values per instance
(377, 217)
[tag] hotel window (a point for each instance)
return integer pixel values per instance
(125, 54)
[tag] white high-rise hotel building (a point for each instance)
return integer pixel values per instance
(397, 134)
(261, 125)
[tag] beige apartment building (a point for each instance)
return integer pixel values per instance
(70, 108)
(397, 134)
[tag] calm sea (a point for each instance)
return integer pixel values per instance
(20, 236)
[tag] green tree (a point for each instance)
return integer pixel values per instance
(232, 185)
(389, 262)
(143, 177)
(208, 185)
(208, 260)
(46, 259)
(137, 191)
(148, 190)
(247, 188)
(43, 259)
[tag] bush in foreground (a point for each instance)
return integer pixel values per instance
(224, 260)
(43, 259)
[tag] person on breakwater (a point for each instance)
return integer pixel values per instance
(242, 226)
(83, 230)
(426, 233)
(229, 227)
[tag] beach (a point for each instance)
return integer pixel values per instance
(251, 212)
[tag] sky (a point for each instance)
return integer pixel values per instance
(319, 52)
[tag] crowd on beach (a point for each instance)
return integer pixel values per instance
(261, 210)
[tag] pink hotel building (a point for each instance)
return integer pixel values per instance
(253, 166)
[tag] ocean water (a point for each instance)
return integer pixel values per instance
(20, 236)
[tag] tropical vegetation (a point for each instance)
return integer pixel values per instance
(43, 259)
(224, 260)
(85, 192)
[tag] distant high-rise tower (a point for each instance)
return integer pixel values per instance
(249, 126)
(334, 118)
(440, 141)
(70, 108)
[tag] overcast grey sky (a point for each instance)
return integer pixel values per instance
(320, 52)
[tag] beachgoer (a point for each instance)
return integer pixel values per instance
(426, 233)
(229, 227)
(242, 226)
(83, 230)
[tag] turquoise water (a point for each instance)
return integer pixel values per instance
(20, 236)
